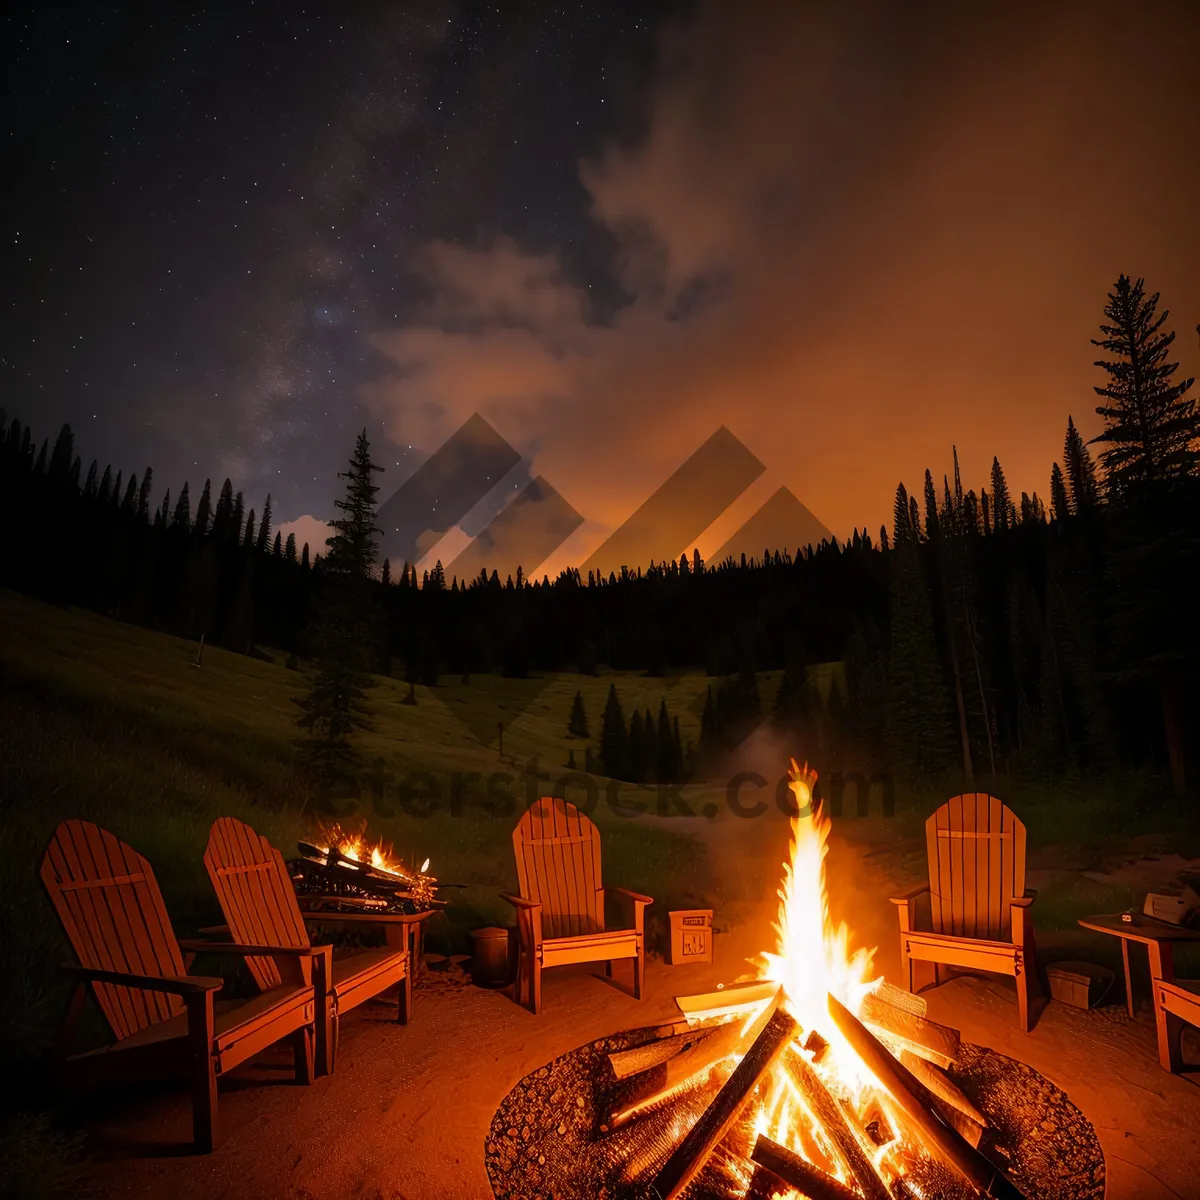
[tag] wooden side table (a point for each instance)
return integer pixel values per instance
(1159, 938)
(401, 930)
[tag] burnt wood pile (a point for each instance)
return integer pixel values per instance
(345, 884)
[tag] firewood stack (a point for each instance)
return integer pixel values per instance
(696, 1101)
(348, 885)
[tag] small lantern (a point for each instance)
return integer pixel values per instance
(691, 936)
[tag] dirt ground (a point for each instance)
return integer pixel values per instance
(406, 1114)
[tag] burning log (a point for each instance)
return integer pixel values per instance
(962, 1114)
(830, 1114)
(764, 1185)
(683, 1069)
(937, 1043)
(808, 1180)
(916, 1102)
(691, 1154)
(625, 1063)
(335, 880)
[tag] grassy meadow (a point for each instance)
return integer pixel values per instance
(114, 723)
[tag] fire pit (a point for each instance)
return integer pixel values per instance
(819, 1081)
(343, 874)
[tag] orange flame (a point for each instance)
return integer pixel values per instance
(811, 961)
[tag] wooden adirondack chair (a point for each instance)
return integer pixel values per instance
(166, 1022)
(560, 911)
(974, 911)
(1176, 1003)
(259, 902)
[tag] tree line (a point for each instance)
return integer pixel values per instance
(987, 633)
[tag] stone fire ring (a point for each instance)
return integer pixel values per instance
(545, 1140)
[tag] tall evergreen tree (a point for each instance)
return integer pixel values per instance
(931, 508)
(222, 526)
(347, 631)
(129, 504)
(614, 738)
(183, 515)
(1002, 506)
(238, 520)
(105, 492)
(143, 500)
(64, 453)
(204, 511)
(248, 539)
(1151, 429)
(90, 487)
(304, 557)
(1081, 471)
(264, 528)
(289, 550)
(901, 519)
(277, 545)
(1060, 507)
(914, 518)
(577, 723)
(115, 498)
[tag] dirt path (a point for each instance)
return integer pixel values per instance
(406, 1114)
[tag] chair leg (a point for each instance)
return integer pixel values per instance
(303, 1054)
(204, 1071)
(406, 998)
(1023, 998)
(639, 970)
(1170, 1039)
(608, 968)
(535, 984)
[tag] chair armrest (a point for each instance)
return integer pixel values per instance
(172, 985)
(911, 894)
(520, 901)
(200, 946)
(636, 897)
(1024, 901)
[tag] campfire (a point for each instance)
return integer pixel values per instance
(342, 871)
(817, 1081)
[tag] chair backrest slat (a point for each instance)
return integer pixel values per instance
(257, 897)
(557, 849)
(113, 914)
(976, 852)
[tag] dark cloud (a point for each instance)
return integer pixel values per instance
(852, 237)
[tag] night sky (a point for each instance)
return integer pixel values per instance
(236, 235)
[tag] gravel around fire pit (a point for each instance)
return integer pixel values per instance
(546, 1140)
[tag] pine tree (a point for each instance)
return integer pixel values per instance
(902, 519)
(204, 511)
(347, 629)
(931, 509)
(143, 501)
(385, 574)
(1060, 508)
(1002, 507)
(264, 528)
(162, 516)
(304, 557)
(64, 452)
(665, 769)
(129, 504)
(183, 514)
(289, 549)
(223, 516)
(89, 488)
(637, 749)
(577, 723)
(115, 498)
(105, 491)
(277, 545)
(1081, 471)
(614, 738)
(914, 518)
(238, 519)
(248, 540)
(1151, 428)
